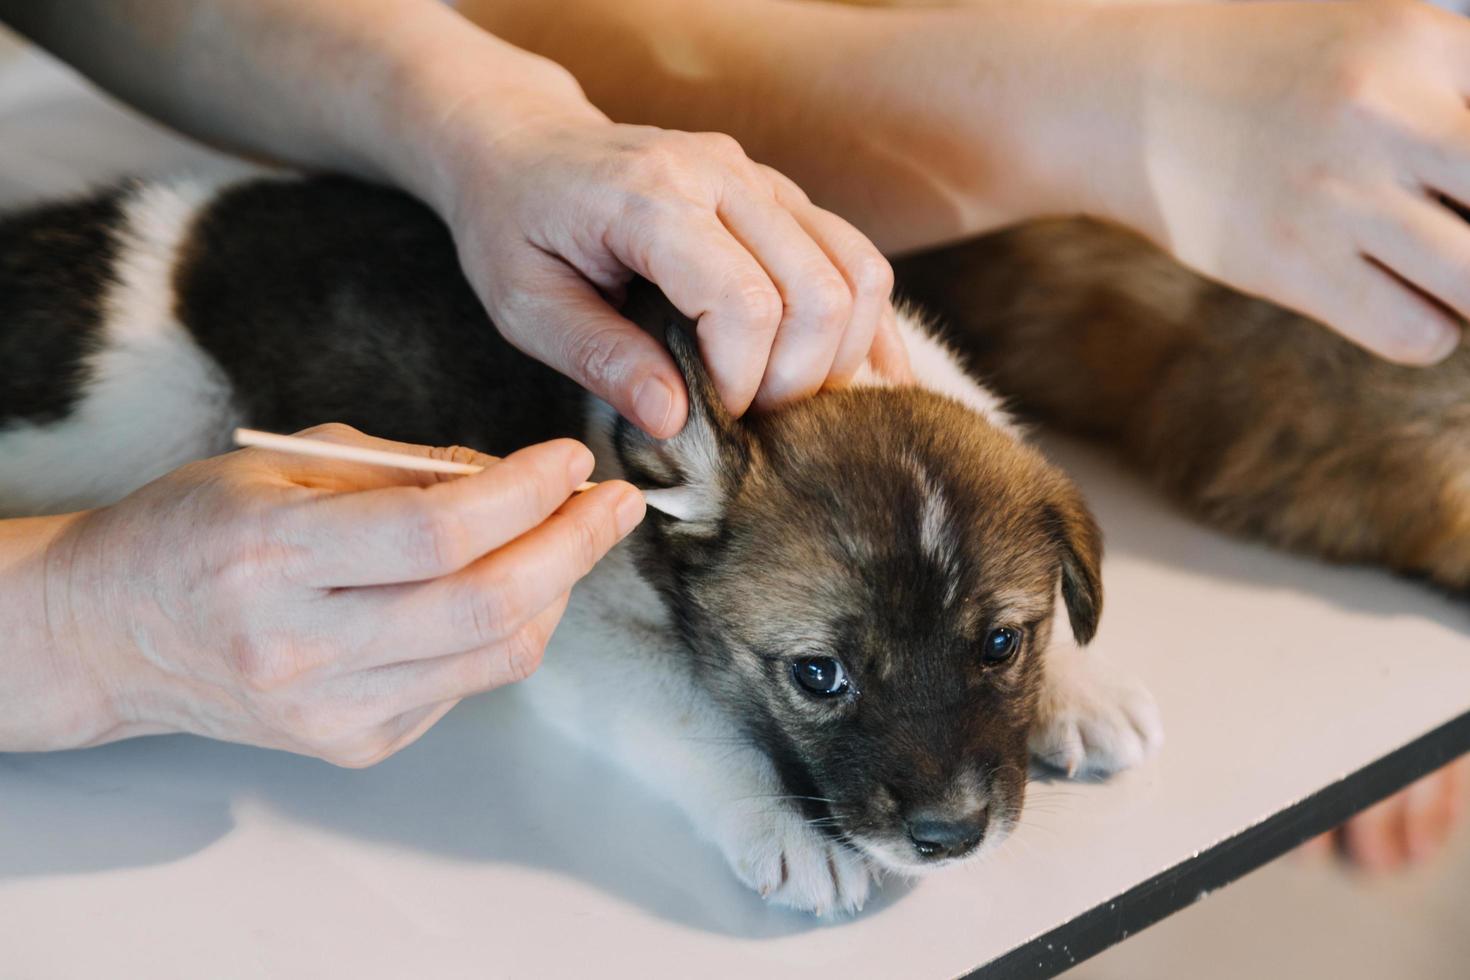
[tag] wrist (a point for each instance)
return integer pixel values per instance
(457, 102)
(98, 637)
(1083, 156)
(1006, 113)
(53, 695)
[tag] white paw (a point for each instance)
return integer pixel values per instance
(1093, 719)
(788, 862)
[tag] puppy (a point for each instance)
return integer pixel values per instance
(1256, 419)
(830, 644)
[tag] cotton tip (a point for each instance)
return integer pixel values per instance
(680, 503)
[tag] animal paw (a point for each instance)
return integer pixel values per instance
(792, 864)
(1093, 719)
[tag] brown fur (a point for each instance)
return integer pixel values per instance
(816, 547)
(1258, 420)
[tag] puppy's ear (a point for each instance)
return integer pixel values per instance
(691, 474)
(1079, 542)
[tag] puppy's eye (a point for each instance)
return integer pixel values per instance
(822, 676)
(1000, 644)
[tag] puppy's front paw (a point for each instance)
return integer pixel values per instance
(1093, 719)
(790, 863)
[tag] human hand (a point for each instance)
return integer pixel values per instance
(332, 609)
(1297, 151)
(557, 215)
(1407, 828)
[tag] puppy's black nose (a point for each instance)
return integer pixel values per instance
(936, 838)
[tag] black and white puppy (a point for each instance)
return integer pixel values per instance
(829, 644)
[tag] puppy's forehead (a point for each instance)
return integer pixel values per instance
(911, 511)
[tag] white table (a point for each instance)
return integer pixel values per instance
(492, 848)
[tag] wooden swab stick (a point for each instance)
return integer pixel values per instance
(358, 454)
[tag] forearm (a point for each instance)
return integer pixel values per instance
(966, 119)
(51, 697)
(361, 87)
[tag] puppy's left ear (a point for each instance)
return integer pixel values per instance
(692, 474)
(1079, 543)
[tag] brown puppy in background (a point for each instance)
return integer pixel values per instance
(1257, 420)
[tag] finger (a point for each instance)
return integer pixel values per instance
(868, 275)
(1439, 144)
(405, 688)
(816, 300)
(414, 695)
(557, 317)
(376, 742)
(408, 728)
(1457, 773)
(713, 279)
(1374, 839)
(489, 602)
(869, 283)
(1428, 246)
(414, 533)
(1428, 815)
(1387, 316)
(889, 356)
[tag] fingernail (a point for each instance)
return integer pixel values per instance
(653, 401)
(580, 463)
(629, 512)
(1433, 342)
(1449, 341)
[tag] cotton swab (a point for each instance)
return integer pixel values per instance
(359, 454)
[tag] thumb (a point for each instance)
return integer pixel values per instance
(561, 320)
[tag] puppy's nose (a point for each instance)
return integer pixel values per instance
(936, 837)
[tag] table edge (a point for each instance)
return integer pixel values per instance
(1108, 923)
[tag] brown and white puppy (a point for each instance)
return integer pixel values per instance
(828, 645)
(1258, 420)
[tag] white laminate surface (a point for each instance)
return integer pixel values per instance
(492, 848)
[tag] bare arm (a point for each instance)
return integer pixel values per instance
(1295, 151)
(553, 206)
(920, 126)
(354, 87)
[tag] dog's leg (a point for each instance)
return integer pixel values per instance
(618, 683)
(1092, 719)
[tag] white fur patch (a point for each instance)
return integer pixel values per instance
(617, 679)
(682, 503)
(936, 540)
(153, 400)
(695, 504)
(1093, 718)
(937, 369)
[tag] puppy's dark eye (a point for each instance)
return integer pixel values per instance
(822, 676)
(1000, 644)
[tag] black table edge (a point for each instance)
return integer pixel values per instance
(1146, 903)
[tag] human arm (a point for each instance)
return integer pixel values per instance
(1287, 149)
(332, 609)
(553, 207)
